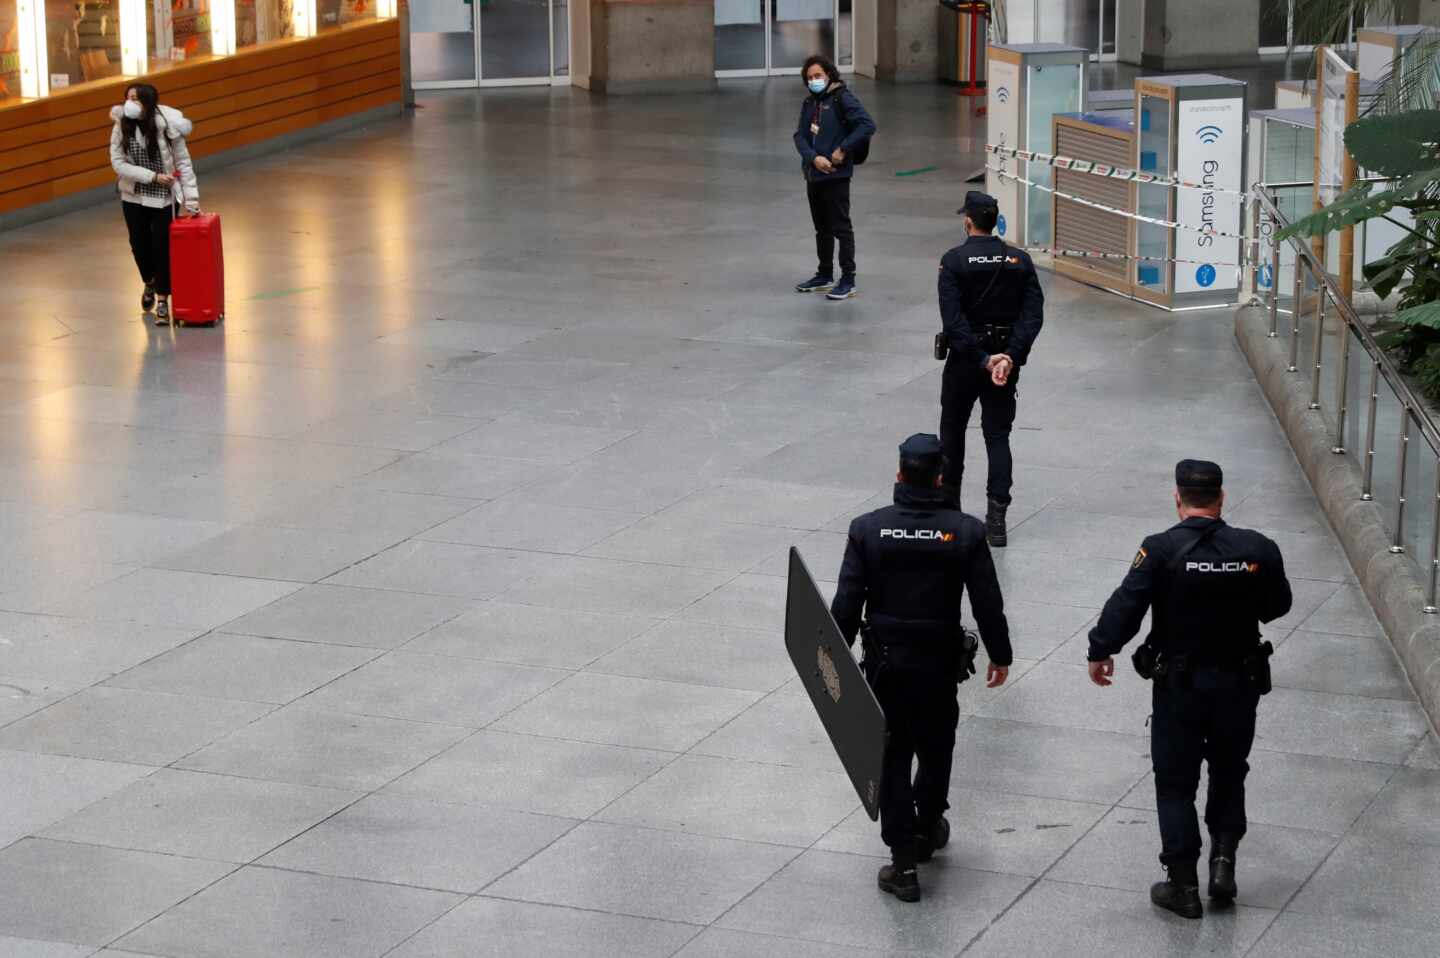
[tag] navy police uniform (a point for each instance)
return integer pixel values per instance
(1209, 586)
(906, 567)
(990, 302)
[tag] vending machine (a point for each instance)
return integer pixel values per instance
(1027, 84)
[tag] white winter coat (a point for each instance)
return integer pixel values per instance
(174, 154)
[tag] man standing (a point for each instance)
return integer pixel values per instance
(991, 311)
(906, 567)
(1209, 586)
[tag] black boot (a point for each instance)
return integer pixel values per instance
(1222, 867)
(900, 878)
(932, 839)
(1180, 892)
(995, 523)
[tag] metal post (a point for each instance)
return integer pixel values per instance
(1366, 492)
(1319, 345)
(1252, 266)
(1295, 318)
(1399, 545)
(1430, 606)
(1342, 386)
(1275, 287)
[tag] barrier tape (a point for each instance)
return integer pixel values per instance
(1096, 254)
(1168, 224)
(1110, 172)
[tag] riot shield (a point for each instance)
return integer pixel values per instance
(839, 692)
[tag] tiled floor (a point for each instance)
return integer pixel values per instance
(431, 606)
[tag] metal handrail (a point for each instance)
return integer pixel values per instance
(1317, 269)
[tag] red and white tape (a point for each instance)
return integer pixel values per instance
(1110, 172)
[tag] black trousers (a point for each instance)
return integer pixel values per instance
(150, 243)
(965, 383)
(1210, 718)
(830, 212)
(921, 713)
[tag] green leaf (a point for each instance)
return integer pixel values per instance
(1426, 315)
(1398, 144)
(1353, 206)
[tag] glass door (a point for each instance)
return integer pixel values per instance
(442, 43)
(740, 47)
(466, 43)
(514, 41)
(799, 28)
(773, 37)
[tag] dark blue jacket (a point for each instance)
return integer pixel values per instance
(835, 102)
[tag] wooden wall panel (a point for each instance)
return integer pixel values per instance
(58, 146)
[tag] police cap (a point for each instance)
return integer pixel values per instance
(977, 202)
(1198, 474)
(923, 450)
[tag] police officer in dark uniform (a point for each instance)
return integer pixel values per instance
(991, 311)
(1209, 586)
(906, 567)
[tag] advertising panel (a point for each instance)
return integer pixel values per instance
(1211, 140)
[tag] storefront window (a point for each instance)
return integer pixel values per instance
(82, 41)
(260, 21)
(9, 50)
(191, 19)
(336, 13)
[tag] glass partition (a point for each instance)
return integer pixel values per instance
(1357, 401)
(798, 28)
(560, 37)
(1385, 480)
(260, 21)
(514, 40)
(1154, 201)
(1331, 356)
(1419, 501)
(9, 50)
(739, 35)
(1053, 90)
(82, 41)
(442, 42)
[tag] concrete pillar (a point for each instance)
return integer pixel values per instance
(907, 41)
(1186, 35)
(643, 46)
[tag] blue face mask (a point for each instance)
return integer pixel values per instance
(818, 85)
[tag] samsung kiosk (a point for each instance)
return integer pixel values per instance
(1027, 85)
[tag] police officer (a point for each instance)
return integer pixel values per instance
(991, 311)
(1209, 586)
(905, 568)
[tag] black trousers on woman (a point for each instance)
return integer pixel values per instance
(830, 212)
(150, 243)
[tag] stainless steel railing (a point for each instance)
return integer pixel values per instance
(1348, 373)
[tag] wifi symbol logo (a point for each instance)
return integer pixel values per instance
(1003, 94)
(1208, 133)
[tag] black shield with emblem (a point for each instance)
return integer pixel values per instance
(839, 692)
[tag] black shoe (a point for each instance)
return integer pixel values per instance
(818, 283)
(147, 298)
(995, 524)
(1179, 893)
(843, 289)
(902, 881)
(932, 839)
(1222, 867)
(162, 313)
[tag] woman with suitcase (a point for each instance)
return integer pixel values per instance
(149, 155)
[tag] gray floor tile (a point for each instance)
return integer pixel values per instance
(492, 928)
(442, 568)
(434, 688)
(21, 696)
(824, 896)
(249, 668)
(616, 868)
(119, 537)
(746, 602)
(50, 647)
(468, 477)
(732, 799)
(516, 525)
(1426, 754)
(531, 635)
(365, 512)
(1121, 852)
(326, 749)
(1055, 918)
(201, 815)
(388, 430)
(426, 844)
(780, 729)
(1407, 810)
(522, 437)
(264, 913)
(31, 948)
(1341, 726)
(703, 654)
(1061, 694)
(1347, 612)
(693, 543)
(166, 597)
(121, 725)
(89, 895)
(36, 790)
(990, 831)
(610, 585)
(1321, 936)
(762, 503)
(299, 555)
(1070, 532)
(335, 615)
(1344, 664)
(720, 943)
(1048, 762)
(1372, 879)
(619, 710)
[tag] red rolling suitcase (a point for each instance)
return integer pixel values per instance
(197, 270)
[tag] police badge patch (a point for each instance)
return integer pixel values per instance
(828, 674)
(1140, 557)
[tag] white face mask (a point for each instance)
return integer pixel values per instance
(817, 86)
(132, 109)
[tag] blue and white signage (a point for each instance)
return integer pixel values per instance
(1211, 152)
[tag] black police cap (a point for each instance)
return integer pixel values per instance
(923, 449)
(1198, 474)
(977, 202)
